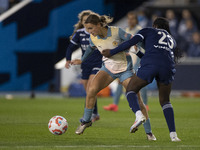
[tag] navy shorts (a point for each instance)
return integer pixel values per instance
(161, 74)
(87, 71)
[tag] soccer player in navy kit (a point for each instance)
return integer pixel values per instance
(91, 66)
(158, 62)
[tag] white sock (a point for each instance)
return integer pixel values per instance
(173, 134)
(138, 113)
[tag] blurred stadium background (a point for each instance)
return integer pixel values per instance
(34, 35)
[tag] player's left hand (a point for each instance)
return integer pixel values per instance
(106, 53)
(76, 62)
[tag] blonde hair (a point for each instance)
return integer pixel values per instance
(79, 24)
(95, 18)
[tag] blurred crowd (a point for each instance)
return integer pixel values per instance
(6, 4)
(184, 28)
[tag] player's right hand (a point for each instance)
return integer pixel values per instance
(106, 53)
(68, 64)
(76, 62)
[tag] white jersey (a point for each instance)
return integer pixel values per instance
(115, 36)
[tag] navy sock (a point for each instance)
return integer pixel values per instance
(133, 101)
(169, 116)
(95, 111)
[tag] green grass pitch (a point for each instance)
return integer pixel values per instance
(23, 125)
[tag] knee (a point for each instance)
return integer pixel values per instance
(92, 91)
(163, 100)
(131, 88)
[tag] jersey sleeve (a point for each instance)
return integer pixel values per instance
(75, 39)
(91, 43)
(124, 35)
(87, 53)
(70, 49)
(90, 49)
(143, 32)
(127, 44)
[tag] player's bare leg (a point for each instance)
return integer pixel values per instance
(114, 106)
(140, 118)
(135, 84)
(99, 82)
(95, 115)
(142, 106)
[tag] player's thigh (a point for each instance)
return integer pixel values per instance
(126, 82)
(147, 73)
(135, 84)
(90, 80)
(165, 75)
(101, 80)
(164, 92)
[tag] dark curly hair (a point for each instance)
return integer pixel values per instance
(163, 23)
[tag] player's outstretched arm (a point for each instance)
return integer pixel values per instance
(122, 47)
(126, 45)
(70, 49)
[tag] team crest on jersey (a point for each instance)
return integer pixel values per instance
(115, 43)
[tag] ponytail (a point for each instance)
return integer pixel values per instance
(178, 53)
(95, 18)
(79, 24)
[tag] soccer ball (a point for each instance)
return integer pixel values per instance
(57, 125)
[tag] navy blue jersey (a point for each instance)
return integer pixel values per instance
(81, 38)
(158, 60)
(159, 47)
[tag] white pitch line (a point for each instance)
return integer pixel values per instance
(102, 146)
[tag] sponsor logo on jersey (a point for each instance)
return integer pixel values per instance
(81, 34)
(84, 47)
(162, 47)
